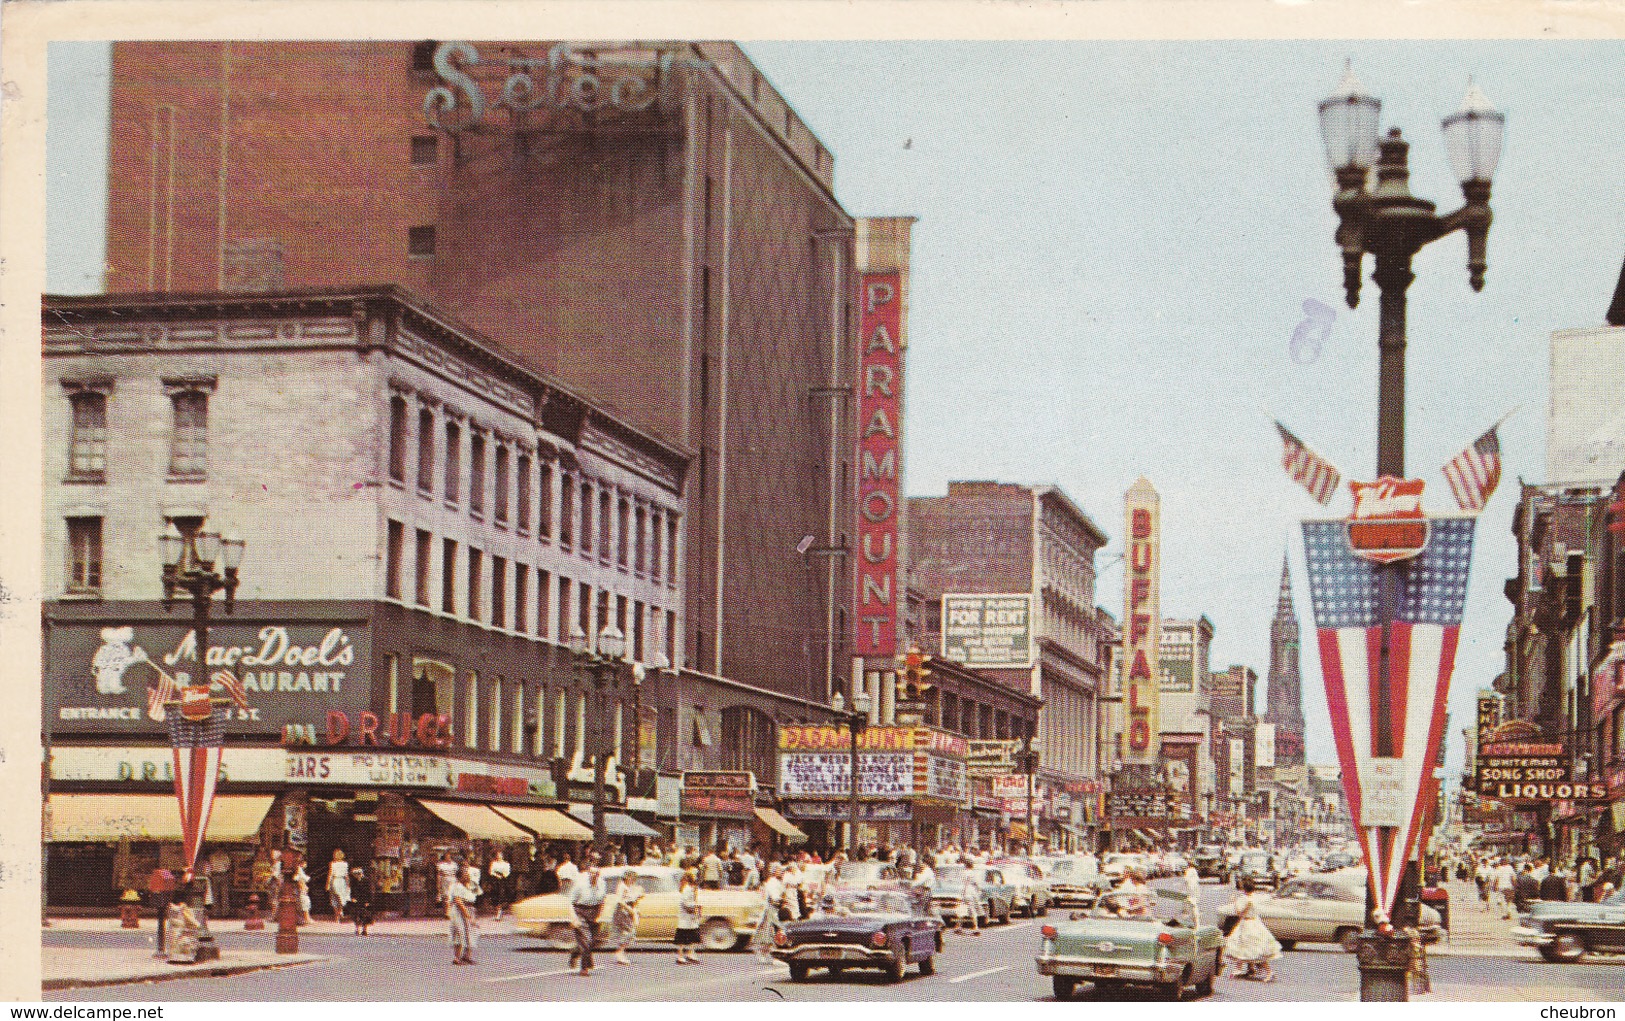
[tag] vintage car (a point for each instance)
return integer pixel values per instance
(1259, 866)
(884, 928)
(1032, 897)
(997, 896)
(1119, 862)
(1075, 882)
(1209, 861)
(1132, 938)
(1565, 931)
(730, 916)
(864, 873)
(1321, 909)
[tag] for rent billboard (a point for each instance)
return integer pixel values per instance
(982, 630)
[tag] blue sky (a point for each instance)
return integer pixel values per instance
(1115, 244)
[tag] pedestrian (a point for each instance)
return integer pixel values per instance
(567, 872)
(1526, 888)
(338, 884)
(360, 900)
(772, 901)
(587, 896)
(712, 868)
(970, 902)
(220, 867)
(445, 871)
(498, 872)
(1554, 887)
(301, 882)
(460, 899)
(1586, 876)
(1482, 876)
(1505, 881)
(548, 880)
(652, 856)
(687, 936)
(628, 892)
(1251, 945)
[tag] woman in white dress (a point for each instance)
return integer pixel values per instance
(1251, 945)
(338, 885)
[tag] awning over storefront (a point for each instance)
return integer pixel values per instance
(1145, 838)
(478, 821)
(615, 823)
(547, 823)
(780, 825)
(235, 818)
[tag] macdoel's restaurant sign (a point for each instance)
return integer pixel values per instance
(97, 677)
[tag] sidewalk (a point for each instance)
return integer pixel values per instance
(75, 967)
(420, 927)
(1477, 929)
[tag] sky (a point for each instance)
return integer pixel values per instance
(1115, 243)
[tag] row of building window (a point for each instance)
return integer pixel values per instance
(631, 535)
(189, 430)
(501, 593)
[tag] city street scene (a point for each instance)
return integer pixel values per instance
(654, 519)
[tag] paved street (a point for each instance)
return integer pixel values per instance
(995, 966)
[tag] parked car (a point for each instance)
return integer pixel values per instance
(1032, 897)
(1209, 861)
(1259, 866)
(864, 873)
(1338, 860)
(997, 896)
(880, 928)
(1076, 882)
(1118, 862)
(1565, 931)
(1320, 909)
(730, 916)
(1131, 938)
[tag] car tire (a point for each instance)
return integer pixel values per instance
(1348, 938)
(560, 936)
(1565, 948)
(1044, 911)
(1006, 916)
(798, 971)
(1104, 986)
(929, 965)
(1205, 987)
(1065, 986)
(896, 969)
(718, 935)
(1173, 992)
(1288, 944)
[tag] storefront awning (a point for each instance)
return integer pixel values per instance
(780, 825)
(547, 823)
(616, 824)
(478, 821)
(1146, 838)
(235, 818)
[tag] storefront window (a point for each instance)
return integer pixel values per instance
(432, 683)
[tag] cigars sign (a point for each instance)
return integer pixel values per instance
(97, 676)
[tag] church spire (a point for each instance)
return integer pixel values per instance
(1283, 606)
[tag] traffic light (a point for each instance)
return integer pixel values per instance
(911, 682)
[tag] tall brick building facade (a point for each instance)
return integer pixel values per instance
(651, 224)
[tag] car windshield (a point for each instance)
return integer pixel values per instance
(1072, 869)
(1257, 861)
(1138, 905)
(863, 902)
(651, 881)
(951, 874)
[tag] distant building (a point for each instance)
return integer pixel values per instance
(1285, 705)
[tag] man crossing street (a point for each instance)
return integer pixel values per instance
(587, 896)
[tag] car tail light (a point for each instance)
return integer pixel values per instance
(878, 939)
(1165, 938)
(781, 938)
(1048, 931)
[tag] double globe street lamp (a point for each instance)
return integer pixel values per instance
(1391, 224)
(602, 666)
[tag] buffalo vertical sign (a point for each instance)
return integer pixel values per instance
(1388, 795)
(1142, 622)
(880, 405)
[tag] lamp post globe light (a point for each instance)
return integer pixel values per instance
(857, 720)
(198, 566)
(1391, 224)
(602, 666)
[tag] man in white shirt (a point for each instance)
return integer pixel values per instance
(567, 873)
(587, 894)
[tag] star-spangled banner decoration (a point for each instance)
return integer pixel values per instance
(1344, 591)
(196, 746)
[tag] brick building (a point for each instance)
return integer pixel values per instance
(648, 223)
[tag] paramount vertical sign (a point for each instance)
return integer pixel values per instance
(880, 404)
(1142, 622)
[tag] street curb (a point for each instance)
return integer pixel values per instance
(211, 971)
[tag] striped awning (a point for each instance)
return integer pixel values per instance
(547, 823)
(478, 821)
(616, 824)
(235, 818)
(779, 824)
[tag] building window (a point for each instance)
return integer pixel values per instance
(188, 452)
(558, 724)
(425, 148)
(522, 470)
(496, 713)
(475, 566)
(85, 555)
(454, 461)
(655, 532)
(544, 516)
(448, 576)
(500, 512)
(671, 551)
(394, 547)
(425, 451)
(584, 609)
(587, 504)
(392, 667)
(420, 241)
(639, 519)
(606, 552)
(499, 592)
(623, 521)
(544, 599)
(397, 438)
(567, 506)
(636, 634)
(476, 473)
(471, 728)
(518, 717)
(87, 455)
(581, 723)
(521, 597)
(425, 543)
(671, 640)
(566, 586)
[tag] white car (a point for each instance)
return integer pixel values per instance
(1032, 897)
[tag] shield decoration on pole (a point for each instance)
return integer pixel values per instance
(196, 745)
(1387, 794)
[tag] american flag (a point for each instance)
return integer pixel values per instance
(1307, 468)
(1475, 472)
(1344, 590)
(166, 692)
(196, 746)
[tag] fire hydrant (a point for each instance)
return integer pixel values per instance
(253, 921)
(129, 910)
(287, 914)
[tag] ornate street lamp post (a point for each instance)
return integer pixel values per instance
(189, 569)
(1393, 225)
(602, 666)
(1031, 748)
(856, 722)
